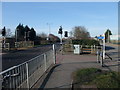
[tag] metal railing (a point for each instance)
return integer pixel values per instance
(100, 58)
(26, 74)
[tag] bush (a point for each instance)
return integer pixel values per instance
(86, 42)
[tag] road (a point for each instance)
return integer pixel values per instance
(17, 57)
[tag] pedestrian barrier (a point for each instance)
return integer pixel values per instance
(28, 73)
(100, 58)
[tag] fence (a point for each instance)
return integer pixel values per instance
(84, 48)
(26, 74)
(4, 46)
(24, 44)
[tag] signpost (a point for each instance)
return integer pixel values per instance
(102, 37)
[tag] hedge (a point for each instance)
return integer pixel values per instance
(86, 42)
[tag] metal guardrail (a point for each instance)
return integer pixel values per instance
(26, 74)
(100, 58)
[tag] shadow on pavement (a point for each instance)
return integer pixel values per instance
(111, 65)
(109, 48)
(47, 77)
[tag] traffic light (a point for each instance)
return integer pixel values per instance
(66, 34)
(60, 30)
(3, 31)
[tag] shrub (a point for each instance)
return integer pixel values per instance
(86, 42)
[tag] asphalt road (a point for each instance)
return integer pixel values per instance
(17, 57)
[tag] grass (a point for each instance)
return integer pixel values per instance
(94, 76)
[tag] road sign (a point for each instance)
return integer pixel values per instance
(101, 37)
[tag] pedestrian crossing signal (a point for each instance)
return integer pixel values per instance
(60, 30)
(66, 34)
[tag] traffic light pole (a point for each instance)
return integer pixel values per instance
(4, 42)
(61, 40)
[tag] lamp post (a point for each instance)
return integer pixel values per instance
(49, 27)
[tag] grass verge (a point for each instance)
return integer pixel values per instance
(94, 76)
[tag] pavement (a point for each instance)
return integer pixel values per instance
(61, 76)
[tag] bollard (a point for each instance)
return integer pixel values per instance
(27, 72)
(54, 54)
(45, 61)
(98, 56)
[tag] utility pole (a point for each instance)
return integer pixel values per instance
(4, 34)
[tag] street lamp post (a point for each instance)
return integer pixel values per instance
(49, 27)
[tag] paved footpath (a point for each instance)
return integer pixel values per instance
(61, 77)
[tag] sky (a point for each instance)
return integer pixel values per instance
(97, 17)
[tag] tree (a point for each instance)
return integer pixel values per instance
(8, 33)
(80, 32)
(20, 32)
(25, 33)
(71, 33)
(32, 34)
(42, 35)
(107, 35)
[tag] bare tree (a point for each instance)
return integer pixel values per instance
(71, 33)
(42, 35)
(80, 32)
(8, 33)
